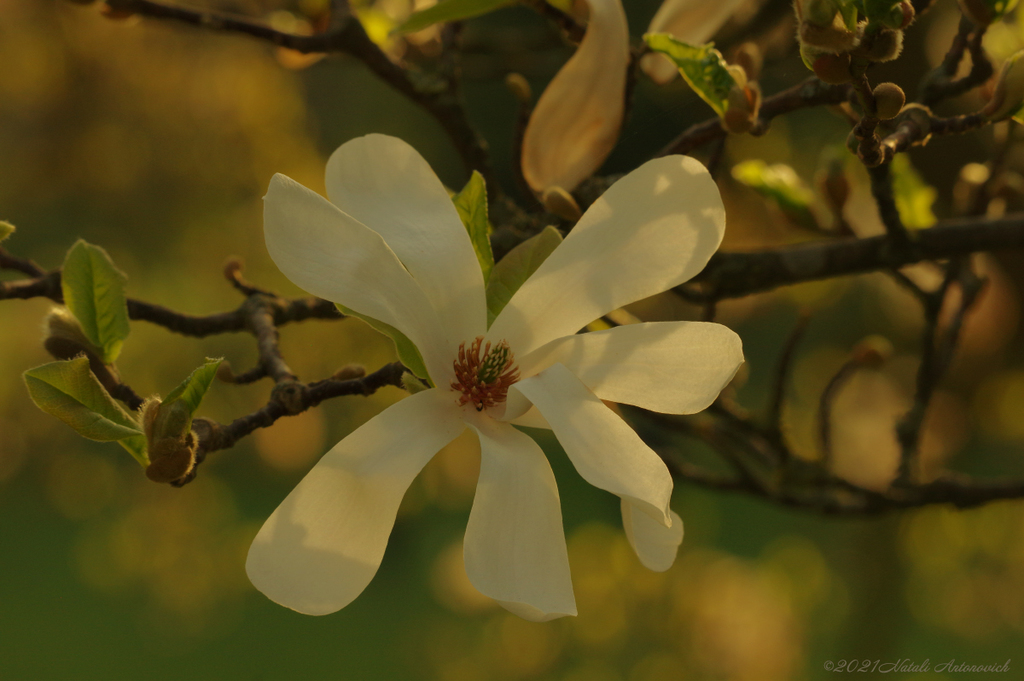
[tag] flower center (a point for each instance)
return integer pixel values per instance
(484, 377)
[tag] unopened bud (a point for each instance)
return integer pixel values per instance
(748, 57)
(873, 351)
(831, 35)
(519, 87)
(349, 372)
(889, 100)
(233, 267)
(559, 202)
(171, 459)
(744, 106)
(225, 373)
(1008, 94)
(833, 68)
(65, 338)
(882, 45)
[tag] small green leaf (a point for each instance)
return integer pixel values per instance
(781, 184)
(450, 10)
(880, 10)
(6, 229)
(94, 292)
(471, 203)
(192, 389)
(516, 267)
(408, 353)
(70, 391)
(914, 198)
(702, 66)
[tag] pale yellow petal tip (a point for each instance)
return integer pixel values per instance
(534, 614)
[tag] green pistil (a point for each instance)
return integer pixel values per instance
(494, 363)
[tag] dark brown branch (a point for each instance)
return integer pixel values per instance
(811, 92)
(570, 27)
(23, 265)
(284, 310)
(734, 275)
(259, 318)
(298, 397)
(939, 84)
(440, 99)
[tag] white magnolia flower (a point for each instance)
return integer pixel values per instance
(692, 21)
(390, 245)
(577, 119)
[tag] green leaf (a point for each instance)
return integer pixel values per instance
(450, 10)
(779, 183)
(6, 229)
(516, 267)
(192, 389)
(70, 391)
(408, 353)
(702, 66)
(94, 292)
(880, 10)
(471, 203)
(914, 198)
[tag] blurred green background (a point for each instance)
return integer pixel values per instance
(157, 141)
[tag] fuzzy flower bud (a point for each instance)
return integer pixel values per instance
(889, 100)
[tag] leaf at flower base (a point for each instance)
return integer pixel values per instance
(6, 229)
(70, 391)
(408, 353)
(914, 197)
(516, 267)
(94, 292)
(702, 66)
(450, 10)
(192, 389)
(779, 183)
(471, 203)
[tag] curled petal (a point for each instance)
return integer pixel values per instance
(655, 544)
(669, 367)
(602, 447)
(324, 543)
(332, 255)
(652, 230)
(515, 546)
(385, 184)
(692, 21)
(577, 119)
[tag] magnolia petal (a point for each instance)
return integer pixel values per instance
(655, 544)
(577, 119)
(384, 183)
(669, 367)
(652, 230)
(334, 256)
(692, 21)
(515, 546)
(602, 447)
(531, 418)
(324, 543)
